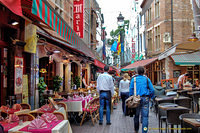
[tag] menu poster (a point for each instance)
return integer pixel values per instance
(25, 89)
(18, 75)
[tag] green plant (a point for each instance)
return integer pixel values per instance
(57, 80)
(41, 87)
(77, 81)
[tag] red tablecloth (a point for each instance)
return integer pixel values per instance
(8, 126)
(50, 126)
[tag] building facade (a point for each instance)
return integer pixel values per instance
(166, 24)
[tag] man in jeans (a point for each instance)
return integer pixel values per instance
(145, 90)
(105, 87)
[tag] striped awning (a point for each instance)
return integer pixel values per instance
(187, 59)
(41, 11)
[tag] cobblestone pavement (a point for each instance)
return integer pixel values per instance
(120, 124)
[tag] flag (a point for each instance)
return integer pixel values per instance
(136, 56)
(122, 47)
(118, 42)
(104, 49)
(119, 49)
(13, 5)
(114, 46)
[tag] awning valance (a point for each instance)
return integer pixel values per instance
(181, 48)
(187, 59)
(99, 63)
(139, 63)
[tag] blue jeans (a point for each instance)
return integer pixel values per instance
(124, 96)
(144, 109)
(105, 97)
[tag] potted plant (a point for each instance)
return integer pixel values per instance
(77, 81)
(57, 81)
(41, 87)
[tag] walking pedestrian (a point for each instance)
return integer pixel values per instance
(145, 90)
(124, 90)
(105, 87)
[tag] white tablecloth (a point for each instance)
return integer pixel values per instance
(62, 127)
(74, 106)
(24, 111)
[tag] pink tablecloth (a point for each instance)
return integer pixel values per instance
(50, 126)
(8, 126)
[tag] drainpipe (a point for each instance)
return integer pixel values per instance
(172, 32)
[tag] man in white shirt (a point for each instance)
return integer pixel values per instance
(105, 87)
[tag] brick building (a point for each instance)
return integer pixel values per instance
(163, 30)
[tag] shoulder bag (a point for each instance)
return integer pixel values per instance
(133, 101)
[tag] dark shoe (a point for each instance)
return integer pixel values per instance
(108, 123)
(100, 123)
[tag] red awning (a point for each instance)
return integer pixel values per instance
(140, 63)
(13, 5)
(99, 64)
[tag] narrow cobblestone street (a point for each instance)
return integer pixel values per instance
(120, 124)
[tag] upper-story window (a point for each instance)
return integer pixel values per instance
(150, 46)
(149, 15)
(157, 38)
(59, 7)
(157, 8)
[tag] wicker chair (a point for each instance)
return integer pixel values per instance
(25, 106)
(173, 116)
(91, 110)
(36, 113)
(1, 129)
(64, 106)
(26, 117)
(4, 114)
(59, 115)
(184, 102)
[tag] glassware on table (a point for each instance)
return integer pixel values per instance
(46, 100)
(20, 122)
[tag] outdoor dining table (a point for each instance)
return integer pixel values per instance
(194, 125)
(171, 107)
(61, 110)
(194, 95)
(60, 126)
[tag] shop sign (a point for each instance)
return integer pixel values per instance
(78, 22)
(133, 49)
(18, 75)
(30, 37)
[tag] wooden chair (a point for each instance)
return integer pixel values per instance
(64, 106)
(36, 113)
(59, 115)
(4, 114)
(91, 111)
(26, 117)
(25, 106)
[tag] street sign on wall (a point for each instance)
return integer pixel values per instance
(133, 49)
(78, 17)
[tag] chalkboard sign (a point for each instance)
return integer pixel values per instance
(176, 73)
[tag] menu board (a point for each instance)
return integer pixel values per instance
(18, 75)
(25, 89)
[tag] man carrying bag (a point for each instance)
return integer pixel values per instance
(142, 89)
